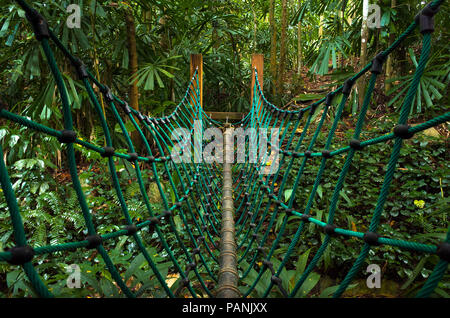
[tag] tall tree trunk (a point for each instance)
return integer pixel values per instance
(299, 43)
(164, 40)
(148, 17)
(340, 56)
(282, 64)
(321, 26)
(133, 67)
(133, 57)
(363, 56)
(94, 56)
(390, 61)
(215, 37)
(273, 44)
(255, 26)
(215, 45)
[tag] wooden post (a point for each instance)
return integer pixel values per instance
(197, 65)
(197, 62)
(258, 63)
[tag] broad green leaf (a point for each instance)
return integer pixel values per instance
(308, 285)
(287, 194)
(137, 262)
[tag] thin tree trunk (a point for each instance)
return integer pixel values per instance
(255, 26)
(133, 57)
(320, 26)
(282, 64)
(273, 44)
(390, 61)
(299, 43)
(148, 15)
(133, 67)
(215, 38)
(340, 56)
(363, 56)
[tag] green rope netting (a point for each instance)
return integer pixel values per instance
(197, 196)
(255, 187)
(197, 181)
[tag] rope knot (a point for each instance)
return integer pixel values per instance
(132, 156)
(425, 18)
(305, 218)
(21, 255)
(371, 238)
(443, 251)
(402, 131)
(67, 136)
(39, 24)
(93, 241)
(107, 152)
(330, 229)
(276, 280)
(131, 229)
(377, 64)
(326, 154)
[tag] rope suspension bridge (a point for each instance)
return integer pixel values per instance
(235, 202)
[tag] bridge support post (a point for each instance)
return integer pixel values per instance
(258, 64)
(228, 275)
(197, 64)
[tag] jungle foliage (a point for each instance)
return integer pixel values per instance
(226, 32)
